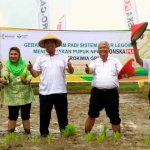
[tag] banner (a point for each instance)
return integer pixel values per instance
(43, 14)
(62, 23)
(130, 12)
(80, 46)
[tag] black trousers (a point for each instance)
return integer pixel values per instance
(14, 112)
(61, 106)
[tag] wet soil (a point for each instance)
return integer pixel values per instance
(135, 133)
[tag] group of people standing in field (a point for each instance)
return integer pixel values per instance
(16, 75)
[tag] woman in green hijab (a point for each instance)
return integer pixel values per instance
(17, 93)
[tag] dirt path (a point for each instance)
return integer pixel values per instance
(134, 112)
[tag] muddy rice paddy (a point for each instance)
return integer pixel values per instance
(135, 134)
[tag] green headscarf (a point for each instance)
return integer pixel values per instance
(16, 70)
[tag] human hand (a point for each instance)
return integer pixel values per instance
(4, 80)
(26, 81)
(133, 42)
(69, 63)
(30, 66)
(1, 65)
(87, 69)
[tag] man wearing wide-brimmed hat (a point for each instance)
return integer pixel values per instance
(52, 87)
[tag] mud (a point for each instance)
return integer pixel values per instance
(134, 112)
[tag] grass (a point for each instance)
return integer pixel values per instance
(116, 136)
(69, 130)
(9, 137)
(78, 86)
(88, 136)
(34, 139)
(146, 140)
(49, 139)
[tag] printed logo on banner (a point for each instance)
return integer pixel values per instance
(20, 36)
(10, 36)
(2, 36)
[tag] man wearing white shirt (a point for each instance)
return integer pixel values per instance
(104, 93)
(144, 63)
(51, 68)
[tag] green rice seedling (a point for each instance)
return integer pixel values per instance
(23, 76)
(69, 130)
(4, 141)
(34, 139)
(21, 137)
(105, 129)
(116, 136)
(12, 135)
(100, 137)
(49, 138)
(146, 140)
(88, 136)
(16, 139)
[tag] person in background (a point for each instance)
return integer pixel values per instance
(144, 63)
(51, 68)
(104, 92)
(17, 93)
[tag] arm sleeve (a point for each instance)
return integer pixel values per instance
(37, 65)
(92, 65)
(119, 66)
(5, 73)
(146, 64)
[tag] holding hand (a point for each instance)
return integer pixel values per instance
(133, 42)
(87, 69)
(26, 81)
(4, 80)
(30, 66)
(69, 63)
(70, 67)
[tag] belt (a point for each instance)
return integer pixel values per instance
(106, 90)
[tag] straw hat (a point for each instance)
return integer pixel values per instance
(137, 30)
(50, 37)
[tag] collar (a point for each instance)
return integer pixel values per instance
(106, 59)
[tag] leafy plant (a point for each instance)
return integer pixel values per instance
(88, 136)
(16, 139)
(69, 130)
(34, 139)
(105, 129)
(49, 138)
(23, 76)
(8, 137)
(146, 139)
(4, 141)
(116, 136)
(100, 137)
